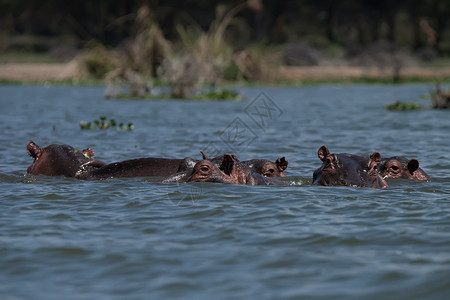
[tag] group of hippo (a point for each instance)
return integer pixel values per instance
(336, 169)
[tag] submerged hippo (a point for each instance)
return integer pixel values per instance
(203, 171)
(348, 169)
(61, 160)
(259, 166)
(160, 167)
(230, 171)
(65, 160)
(266, 167)
(401, 167)
(242, 174)
(141, 167)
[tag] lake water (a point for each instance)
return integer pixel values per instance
(61, 238)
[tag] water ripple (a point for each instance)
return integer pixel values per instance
(131, 238)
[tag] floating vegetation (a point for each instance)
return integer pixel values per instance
(219, 94)
(400, 106)
(144, 97)
(213, 94)
(83, 153)
(103, 123)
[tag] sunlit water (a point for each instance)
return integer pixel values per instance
(61, 238)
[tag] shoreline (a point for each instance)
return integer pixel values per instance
(67, 72)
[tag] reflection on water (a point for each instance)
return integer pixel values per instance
(134, 238)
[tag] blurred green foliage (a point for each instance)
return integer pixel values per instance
(104, 123)
(400, 106)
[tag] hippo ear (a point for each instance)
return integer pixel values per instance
(228, 164)
(88, 152)
(323, 152)
(33, 150)
(374, 161)
(332, 158)
(205, 156)
(282, 163)
(376, 157)
(413, 165)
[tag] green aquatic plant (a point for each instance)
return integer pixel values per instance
(400, 106)
(84, 154)
(212, 94)
(219, 94)
(103, 123)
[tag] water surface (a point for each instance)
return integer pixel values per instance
(138, 239)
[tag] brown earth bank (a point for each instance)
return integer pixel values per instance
(40, 72)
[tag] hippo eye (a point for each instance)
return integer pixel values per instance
(395, 168)
(204, 169)
(271, 170)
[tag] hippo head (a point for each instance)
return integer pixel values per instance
(206, 171)
(218, 159)
(241, 173)
(401, 167)
(56, 160)
(229, 170)
(267, 168)
(348, 169)
(270, 169)
(259, 166)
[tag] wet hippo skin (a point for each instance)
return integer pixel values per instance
(401, 167)
(259, 166)
(142, 167)
(348, 169)
(229, 171)
(65, 160)
(61, 160)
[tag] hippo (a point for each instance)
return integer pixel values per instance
(61, 160)
(348, 169)
(230, 171)
(141, 167)
(266, 167)
(203, 171)
(401, 167)
(65, 160)
(148, 167)
(259, 166)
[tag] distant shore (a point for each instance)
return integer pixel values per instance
(41, 72)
